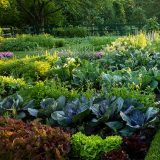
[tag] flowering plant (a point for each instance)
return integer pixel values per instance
(6, 55)
(99, 55)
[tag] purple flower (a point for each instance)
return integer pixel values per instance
(99, 54)
(6, 55)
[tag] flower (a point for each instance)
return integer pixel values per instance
(6, 55)
(99, 54)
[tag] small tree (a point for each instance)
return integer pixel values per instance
(152, 24)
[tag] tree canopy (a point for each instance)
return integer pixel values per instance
(40, 13)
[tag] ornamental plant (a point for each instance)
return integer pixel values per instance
(27, 141)
(6, 55)
(9, 85)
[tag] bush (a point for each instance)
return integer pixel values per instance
(100, 41)
(90, 147)
(30, 69)
(71, 32)
(152, 25)
(42, 67)
(9, 85)
(59, 43)
(126, 43)
(27, 141)
(43, 40)
(17, 45)
(143, 97)
(48, 89)
(19, 68)
(27, 42)
(154, 151)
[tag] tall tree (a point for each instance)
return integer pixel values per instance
(9, 14)
(38, 11)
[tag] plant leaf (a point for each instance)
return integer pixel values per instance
(33, 112)
(61, 102)
(150, 113)
(115, 125)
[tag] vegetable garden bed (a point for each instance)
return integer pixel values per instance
(105, 104)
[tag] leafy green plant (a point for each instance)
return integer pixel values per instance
(90, 147)
(9, 85)
(47, 89)
(64, 69)
(28, 42)
(152, 25)
(59, 43)
(136, 118)
(88, 72)
(21, 140)
(11, 107)
(13, 45)
(73, 112)
(145, 97)
(71, 32)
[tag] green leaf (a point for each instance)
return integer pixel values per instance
(154, 84)
(59, 117)
(150, 113)
(81, 116)
(127, 131)
(61, 101)
(125, 118)
(115, 125)
(47, 102)
(107, 77)
(21, 115)
(33, 112)
(29, 105)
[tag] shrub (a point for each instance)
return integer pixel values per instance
(27, 141)
(152, 24)
(71, 32)
(27, 42)
(42, 67)
(90, 147)
(59, 43)
(100, 41)
(17, 45)
(47, 89)
(128, 42)
(154, 151)
(19, 68)
(30, 69)
(9, 85)
(43, 40)
(143, 97)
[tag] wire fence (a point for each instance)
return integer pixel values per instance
(113, 29)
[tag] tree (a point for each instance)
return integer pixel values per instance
(4, 3)
(37, 12)
(151, 8)
(9, 14)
